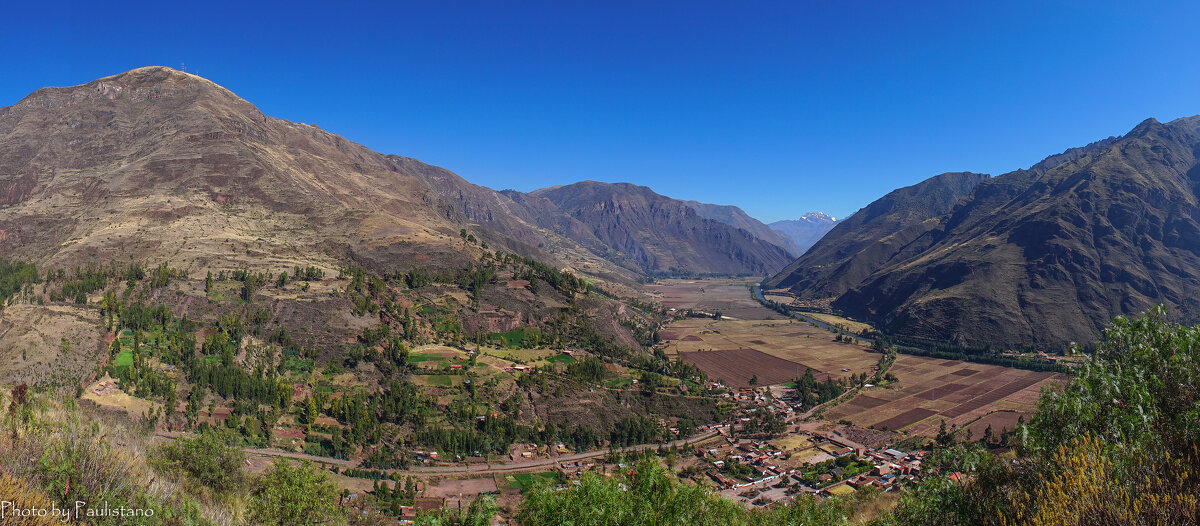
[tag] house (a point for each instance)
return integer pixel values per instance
(428, 503)
(722, 479)
(408, 514)
(898, 455)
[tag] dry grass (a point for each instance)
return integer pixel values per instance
(31, 349)
(73, 456)
(856, 327)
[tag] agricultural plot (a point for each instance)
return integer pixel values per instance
(730, 297)
(930, 390)
(791, 348)
(525, 481)
(853, 326)
(737, 367)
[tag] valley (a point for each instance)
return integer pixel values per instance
(201, 304)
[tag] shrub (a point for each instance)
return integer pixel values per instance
(294, 494)
(209, 458)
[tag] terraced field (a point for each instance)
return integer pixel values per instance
(930, 390)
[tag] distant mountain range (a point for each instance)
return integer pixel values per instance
(1040, 256)
(642, 230)
(160, 165)
(806, 231)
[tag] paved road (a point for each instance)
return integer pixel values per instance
(545, 463)
(473, 469)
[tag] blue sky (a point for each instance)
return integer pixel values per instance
(777, 107)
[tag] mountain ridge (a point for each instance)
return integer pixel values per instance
(125, 165)
(807, 230)
(1042, 256)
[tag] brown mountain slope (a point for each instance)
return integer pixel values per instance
(861, 243)
(1046, 256)
(156, 164)
(738, 218)
(640, 229)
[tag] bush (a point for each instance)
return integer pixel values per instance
(650, 496)
(209, 458)
(294, 494)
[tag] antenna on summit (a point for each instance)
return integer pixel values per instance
(183, 67)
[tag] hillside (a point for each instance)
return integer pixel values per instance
(156, 163)
(861, 243)
(641, 229)
(1042, 256)
(179, 169)
(806, 231)
(738, 218)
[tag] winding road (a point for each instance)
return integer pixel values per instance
(474, 469)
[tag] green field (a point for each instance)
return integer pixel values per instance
(618, 383)
(124, 359)
(418, 357)
(440, 380)
(524, 481)
(562, 358)
(297, 365)
(518, 337)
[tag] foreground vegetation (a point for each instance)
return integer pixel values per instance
(1120, 444)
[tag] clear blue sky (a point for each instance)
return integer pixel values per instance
(777, 107)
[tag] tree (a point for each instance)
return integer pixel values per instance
(210, 458)
(480, 513)
(754, 380)
(649, 495)
(294, 494)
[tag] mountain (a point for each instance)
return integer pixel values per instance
(1041, 256)
(738, 218)
(861, 243)
(806, 231)
(640, 229)
(158, 164)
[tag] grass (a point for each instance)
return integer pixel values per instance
(512, 338)
(440, 380)
(524, 481)
(562, 358)
(124, 359)
(297, 366)
(418, 357)
(618, 383)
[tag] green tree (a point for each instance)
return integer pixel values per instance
(295, 494)
(210, 458)
(651, 496)
(480, 513)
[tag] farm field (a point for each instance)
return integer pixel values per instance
(737, 367)
(853, 326)
(730, 297)
(931, 389)
(776, 350)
